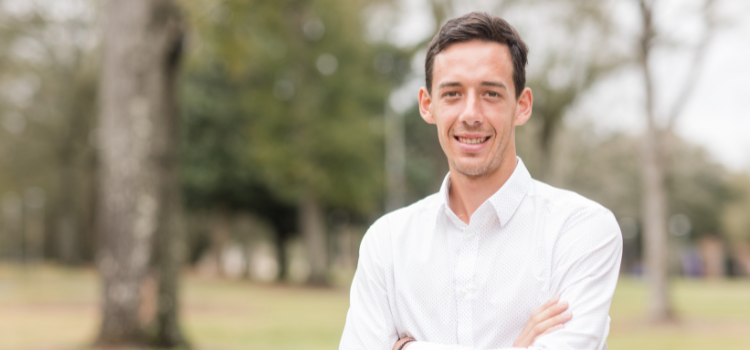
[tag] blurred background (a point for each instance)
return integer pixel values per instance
(245, 146)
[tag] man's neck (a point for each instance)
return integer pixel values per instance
(467, 193)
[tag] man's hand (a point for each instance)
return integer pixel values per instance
(547, 319)
(401, 341)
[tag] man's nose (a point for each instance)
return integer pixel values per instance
(472, 113)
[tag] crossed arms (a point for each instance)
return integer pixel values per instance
(585, 262)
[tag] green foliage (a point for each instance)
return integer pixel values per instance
(735, 219)
(698, 188)
(285, 96)
(48, 79)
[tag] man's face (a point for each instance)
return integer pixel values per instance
(474, 106)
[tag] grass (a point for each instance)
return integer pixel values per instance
(712, 315)
(56, 308)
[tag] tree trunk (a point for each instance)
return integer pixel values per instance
(67, 237)
(171, 252)
(170, 245)
(313, 229)
(654, 188)
(280, 241)
(135, 92)
(11, 240)
(655, 228)
(220, 234)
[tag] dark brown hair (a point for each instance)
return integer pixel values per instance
(485, 27)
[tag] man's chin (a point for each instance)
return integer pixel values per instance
(471, 170)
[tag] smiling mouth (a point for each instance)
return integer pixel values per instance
(472, 141)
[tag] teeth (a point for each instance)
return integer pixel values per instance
(471, 141)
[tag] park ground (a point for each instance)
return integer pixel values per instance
(53, 308)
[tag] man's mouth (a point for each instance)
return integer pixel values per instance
(471, 141)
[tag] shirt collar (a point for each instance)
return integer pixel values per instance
(506, 200)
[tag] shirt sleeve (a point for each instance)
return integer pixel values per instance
(586, 264)
(369, 322)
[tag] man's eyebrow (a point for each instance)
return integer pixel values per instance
(448, 84)
(495, 84)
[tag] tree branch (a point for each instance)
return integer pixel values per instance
(696, 66)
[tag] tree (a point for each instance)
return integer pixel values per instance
(655, 153)
(137, 201)
(311, 102)
(735, 221)
(218, 177)
(569, 68)
(49, 66)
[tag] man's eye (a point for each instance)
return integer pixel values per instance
(492, 94)
(450, 94)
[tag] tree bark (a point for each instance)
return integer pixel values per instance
(313, 229)
(654, 189)
(135, 106)
(171, 250)
(655, 228)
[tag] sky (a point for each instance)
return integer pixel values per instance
(716, 116)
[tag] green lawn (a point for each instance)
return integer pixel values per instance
(56, 308)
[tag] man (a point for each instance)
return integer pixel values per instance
(495, 258)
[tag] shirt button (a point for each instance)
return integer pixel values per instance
(462, 291)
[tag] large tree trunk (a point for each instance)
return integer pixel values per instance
(313, 229)
(654, 188)
(135, 143)
(170, 243)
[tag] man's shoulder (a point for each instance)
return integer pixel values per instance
(420, 211)
(571, 211)
(558, 200)
(395, 226)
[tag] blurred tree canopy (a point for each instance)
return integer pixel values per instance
(48, 78)
(283, 105)
(291, 95)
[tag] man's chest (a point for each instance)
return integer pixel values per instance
(474, 288)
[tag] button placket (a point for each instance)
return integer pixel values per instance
(465, 285)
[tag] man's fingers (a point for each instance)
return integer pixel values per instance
(543, 327)
(549, 312)
(551, 308)
(548, 316)
(545, 306)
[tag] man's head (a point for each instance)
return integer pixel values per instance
(485, 27)
(475, 93)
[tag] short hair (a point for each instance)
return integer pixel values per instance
(480, 26)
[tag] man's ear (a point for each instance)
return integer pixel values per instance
(425, 102)
(523, 112)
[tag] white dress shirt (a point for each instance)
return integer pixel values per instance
(424, 273)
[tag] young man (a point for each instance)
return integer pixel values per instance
(495, 259)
